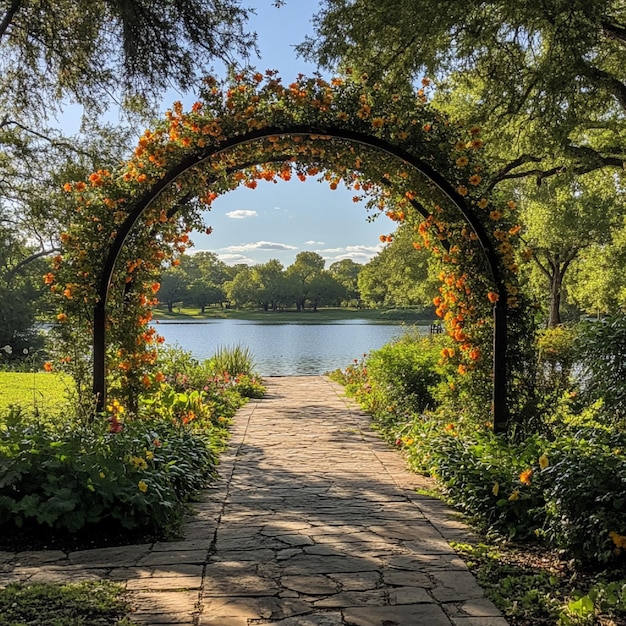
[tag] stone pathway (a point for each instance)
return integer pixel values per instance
(314, 522)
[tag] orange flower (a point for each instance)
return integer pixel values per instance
(378, 122)
(155, 287)
(493, 297)
(495, 215)
(475, 179)
(462, 190)
(80, 186)
(462, 161)
(525, 476)
(67, 187)
(364, 111)
(62, 317)
(48, 367)
(48, 278)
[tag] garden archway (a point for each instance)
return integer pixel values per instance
(415, 157)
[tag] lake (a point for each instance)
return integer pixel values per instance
(283, 349)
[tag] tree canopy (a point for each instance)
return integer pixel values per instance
(91, 51)
(548, 77)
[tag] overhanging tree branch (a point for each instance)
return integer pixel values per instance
(615, 31)
(8, 16)
(33, 257)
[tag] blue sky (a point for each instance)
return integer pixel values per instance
(276, 221)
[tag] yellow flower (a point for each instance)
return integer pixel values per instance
(143, 487)
(102, 475)
(149, 455)
(138, 462)
(514, 496)
(496, 489)
(543, 461)
(618, 540)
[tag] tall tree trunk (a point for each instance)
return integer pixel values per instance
(556, 286)
(555, 266)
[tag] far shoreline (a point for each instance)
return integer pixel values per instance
(330, 314)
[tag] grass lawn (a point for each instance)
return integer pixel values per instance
(44, 391)
(99, 603)
(321, 315)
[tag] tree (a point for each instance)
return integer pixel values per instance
(272, 284)
(546, 80)
(205, 265)
(21, 290)
(346, 272)
(305, 267)
(202, 293)
(173, 287)
(243, 289)
(399, 275)
(92, 51)
(598, 283)
(325, 289)
(562, 218)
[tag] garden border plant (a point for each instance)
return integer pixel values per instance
(394, 149)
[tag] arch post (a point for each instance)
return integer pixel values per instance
(500, 405)
(99, 354)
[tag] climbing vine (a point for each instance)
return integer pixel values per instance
(251, 129)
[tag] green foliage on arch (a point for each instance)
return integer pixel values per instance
(254, 128)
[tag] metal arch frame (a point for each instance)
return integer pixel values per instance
(500, 405)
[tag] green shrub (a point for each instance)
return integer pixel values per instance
(498, 484)
(125, 470)
(585, 492)
(396, 381)
(72, 478)
(602, 356)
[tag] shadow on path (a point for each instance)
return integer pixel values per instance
(314, 522)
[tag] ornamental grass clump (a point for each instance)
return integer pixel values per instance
(232, 360)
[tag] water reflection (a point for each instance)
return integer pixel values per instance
(283, 349)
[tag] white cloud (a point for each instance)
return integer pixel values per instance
(241, 214)
(314, 243)
(359, 254)
(259, 245)
(234, 259)
(357, 257)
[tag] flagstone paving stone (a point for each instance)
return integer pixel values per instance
(314, 521)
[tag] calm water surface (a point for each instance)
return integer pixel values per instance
(283, 349)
